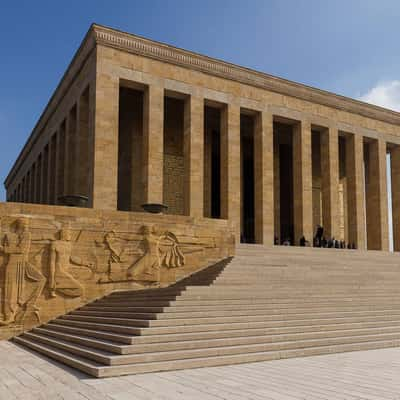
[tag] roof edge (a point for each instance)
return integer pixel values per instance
(161, 51)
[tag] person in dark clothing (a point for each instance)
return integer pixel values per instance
(303, 241)
(319, 234)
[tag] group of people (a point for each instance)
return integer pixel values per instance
(319, 240)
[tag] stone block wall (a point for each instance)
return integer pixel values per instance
(54, 259)
(174, 168)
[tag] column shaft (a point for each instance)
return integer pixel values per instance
(153, 144)
(302, 182)
(56, 160)
(194, 156)
(377, 207)
(105, 175)
(395, 178)
(230, 165)
(33, 183)
(39, 181)
(264, 178)
(355, 190)
(330, 181)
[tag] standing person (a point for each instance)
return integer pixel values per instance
(319, 234)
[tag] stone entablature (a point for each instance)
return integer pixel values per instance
(55, 259)
(166, 53)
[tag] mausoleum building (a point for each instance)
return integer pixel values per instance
(134, 121)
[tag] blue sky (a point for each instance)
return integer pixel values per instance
(348, 47)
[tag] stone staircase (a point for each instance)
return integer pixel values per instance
(265, 304)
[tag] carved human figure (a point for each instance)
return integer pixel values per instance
(159, 250)
(169, 253)
(147, 268)
(18, 302)
(114, 245)
(60, 280)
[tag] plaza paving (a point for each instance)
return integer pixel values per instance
(371, 375)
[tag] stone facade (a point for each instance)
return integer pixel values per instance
(134, 121)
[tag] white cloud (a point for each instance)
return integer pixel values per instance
(385, 94)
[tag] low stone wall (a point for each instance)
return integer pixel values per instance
(55, 259)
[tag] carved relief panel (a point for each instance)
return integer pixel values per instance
(50, 265)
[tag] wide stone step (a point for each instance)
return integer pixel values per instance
(106, 345)
(102, 331)
(127, 326)
(97, 370)
(108, 358)
(116, 348)
(128, 330)
(250, 301)
(141, 303)
(288, 317)
(168, 312)
(259, 314)
(248, 294)
(158, 298)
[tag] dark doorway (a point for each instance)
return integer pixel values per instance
(212, 162)
(130, 193)
(283, 152)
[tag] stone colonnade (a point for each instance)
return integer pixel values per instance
(366, 194)
(63, 166)
(72, 162)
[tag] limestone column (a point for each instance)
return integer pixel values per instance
(264, 178)
(72, 152)
(153, 144)
(230, 166)
(395, 177)
(61, 159)
(302, 182)
(82, 145)
(355, 190)
(277, 191)
(49, 190)
(194, 156)
(33, 184)
(105, 168)
(91, 155)
(330, 182)
(28, 187)
(377, 207)
(55, 167)
(39, 182)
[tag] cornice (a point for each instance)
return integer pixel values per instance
(173, 55)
